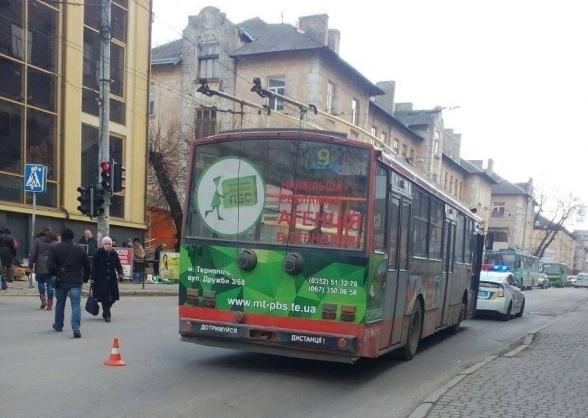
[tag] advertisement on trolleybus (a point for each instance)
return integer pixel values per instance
(306, 244)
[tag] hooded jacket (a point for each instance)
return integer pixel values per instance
(40, 254)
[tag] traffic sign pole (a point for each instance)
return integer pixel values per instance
(33, 222)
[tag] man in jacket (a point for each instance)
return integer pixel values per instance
(7, 254)
(71, 266)
(38, 263)
(88, 240)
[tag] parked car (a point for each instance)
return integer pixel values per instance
(581, 280)
(571, 280)
(543, 281)
(499, 294)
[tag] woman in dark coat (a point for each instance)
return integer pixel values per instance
(105, 272)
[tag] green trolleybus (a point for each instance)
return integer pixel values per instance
(525, 267)
(555, 272)
(308, 244)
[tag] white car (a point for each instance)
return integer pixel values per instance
(581, 280)
(499, 293)
(543, 281)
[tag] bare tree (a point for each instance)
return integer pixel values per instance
(565, 210)
(167, 171)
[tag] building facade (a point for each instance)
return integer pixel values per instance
(512, 213)
(563, 247)
(49, 110)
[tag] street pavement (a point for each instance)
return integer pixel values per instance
(46, 374)
(548, 379)
(21, 288)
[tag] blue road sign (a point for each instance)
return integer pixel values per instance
(35, 177)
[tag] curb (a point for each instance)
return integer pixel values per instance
(146, 293)
(423, 409)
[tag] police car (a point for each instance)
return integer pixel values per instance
(499, 293)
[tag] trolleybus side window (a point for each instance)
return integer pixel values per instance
(436, 230)
(394, 220)
(469, 233)
(405, 236)
(380, 209)
(459, 238)
(420, 223)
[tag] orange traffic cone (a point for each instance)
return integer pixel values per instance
(115, 359)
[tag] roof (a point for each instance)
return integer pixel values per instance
(494, 276)
(416, 117)
(469, 168)
(504, 187)
(395, 121)
(169, 53)
(272, 38)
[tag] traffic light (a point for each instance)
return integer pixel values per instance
(105, 175)
(98, 201)
(118, 177)
(85, 199)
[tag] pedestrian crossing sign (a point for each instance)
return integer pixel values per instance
(35, 177)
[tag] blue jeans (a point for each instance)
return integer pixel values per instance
(75, 295)
(42, 280)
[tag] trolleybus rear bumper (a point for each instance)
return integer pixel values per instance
(280, 341)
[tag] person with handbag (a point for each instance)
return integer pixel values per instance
(106, 271)
(38, 264)
(70, 265)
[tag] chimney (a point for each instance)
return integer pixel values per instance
(334, 39)
(490, 168)
(387, 100)
(403, 107)
(315, 26)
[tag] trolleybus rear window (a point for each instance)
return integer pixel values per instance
(279, 191)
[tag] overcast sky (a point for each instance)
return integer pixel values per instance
(517, 69)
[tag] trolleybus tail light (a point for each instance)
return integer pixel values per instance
(348, 313)
(192, 297)
(329, 311)
(246, 260)
(209, 299)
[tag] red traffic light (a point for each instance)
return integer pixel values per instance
(105, 166)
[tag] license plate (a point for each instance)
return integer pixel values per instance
(483, 294)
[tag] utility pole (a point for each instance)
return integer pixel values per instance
(104, 113)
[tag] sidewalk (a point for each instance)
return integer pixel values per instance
(548, 379)
(21, 288)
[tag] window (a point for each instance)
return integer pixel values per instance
(29, 34)
(331, 95)
(498, 209)
(208, 55)
(380, 209)
(91, 56)
(276, 85)
(445, 182)
(436, 229)
(420, 222)
(152, 93)
(89, 163)
(355, 112)
(459, 238)
(469, 232)
(437, 139)
(411, 158)
(395, 146)
(404, 150)
(205, 122)
(374, 131)
(384, 138)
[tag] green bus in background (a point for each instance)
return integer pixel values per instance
(556, 273)
(525, 267)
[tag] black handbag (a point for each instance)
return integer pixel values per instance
(92, 306)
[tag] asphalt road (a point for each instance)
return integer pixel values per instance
(48, 374)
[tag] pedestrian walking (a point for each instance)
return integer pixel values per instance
(90, 242)
(70, 265)
(7, 254)
(106, 270)
(156, 256)
(38, 258)
(138, 260)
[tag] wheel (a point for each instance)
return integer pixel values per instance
(414, 333)
(454, 329)
(506, 316)
(521, 311)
